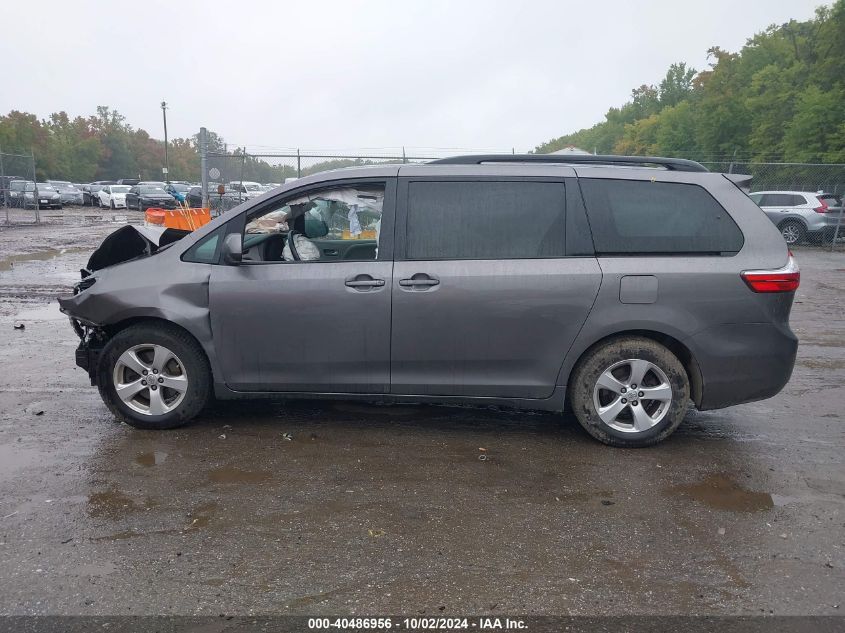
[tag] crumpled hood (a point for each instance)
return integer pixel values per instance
(130, 242)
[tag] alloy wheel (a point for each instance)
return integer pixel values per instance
(790, 233)
(632, 395)
(150, 379)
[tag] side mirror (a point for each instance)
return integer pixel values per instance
(233, 249)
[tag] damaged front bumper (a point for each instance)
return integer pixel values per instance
(92, 339)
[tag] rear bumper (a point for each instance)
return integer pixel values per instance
(743, 362)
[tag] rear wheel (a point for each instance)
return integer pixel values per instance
(793, 231)
(154, 377)
(629, 392)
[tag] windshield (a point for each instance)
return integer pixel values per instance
(180, 187)
(120, 188)
(253, 188)
(17, 185)
(152, 190)
(42, 187)
(62, 184)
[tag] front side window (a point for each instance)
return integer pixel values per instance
(331, 224)
(485, 220)
(642, 217)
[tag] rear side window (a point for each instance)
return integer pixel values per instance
(782, 200)
(486, 220)
(641, 217)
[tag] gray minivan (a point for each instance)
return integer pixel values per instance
(625, 286)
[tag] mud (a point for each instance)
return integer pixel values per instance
(332, 507)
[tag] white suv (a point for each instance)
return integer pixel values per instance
(801, 215)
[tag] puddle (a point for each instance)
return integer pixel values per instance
(49, 312)
(110, 503)
(228, 475)
(154, 458)
(723, 493)
(7, 263)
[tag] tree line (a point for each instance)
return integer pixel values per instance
(780, 98)
(105, 146)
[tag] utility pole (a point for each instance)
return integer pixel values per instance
(34, 192)
(166, 166)
(204, 166)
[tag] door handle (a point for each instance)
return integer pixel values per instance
(355, 282)
(365, 283)
(419, 280)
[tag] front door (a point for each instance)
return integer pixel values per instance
(485, 300)
(320, 324)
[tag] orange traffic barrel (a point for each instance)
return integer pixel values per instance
(186, 219)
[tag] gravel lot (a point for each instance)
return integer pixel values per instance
(317, 508)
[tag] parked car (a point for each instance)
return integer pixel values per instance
(800, 215)
(178, 190)
(228, 200)
(43, 195)
(247, 189)
(90, 191)
(143, 197)
(128, 181)
(67, 191)
(113, 196)
(496, 280)
(5, 183)
(194, 196)
(16, 191)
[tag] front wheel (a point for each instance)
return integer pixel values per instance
(154, 377)
(629, 392)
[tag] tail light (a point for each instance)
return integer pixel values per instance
(823, 208)
(784, 279)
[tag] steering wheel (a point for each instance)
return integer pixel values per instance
(292, 245)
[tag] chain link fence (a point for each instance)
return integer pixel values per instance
(18, 204)
(802, 221)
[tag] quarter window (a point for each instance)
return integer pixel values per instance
(641, 217)
(485, 220)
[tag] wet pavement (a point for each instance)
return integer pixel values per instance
(336, 507)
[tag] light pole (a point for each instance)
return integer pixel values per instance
(166, 166)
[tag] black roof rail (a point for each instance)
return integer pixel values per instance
(672, 164)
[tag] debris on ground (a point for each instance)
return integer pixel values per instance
(19, 326)
(287, 436)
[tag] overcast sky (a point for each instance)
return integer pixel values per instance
(371, 74)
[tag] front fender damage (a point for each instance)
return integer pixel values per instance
(123, 284)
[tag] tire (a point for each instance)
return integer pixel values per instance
(793, 231)
(112, 206)
(185, 377)
(664, 376)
